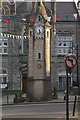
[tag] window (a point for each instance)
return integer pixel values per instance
(3, 45)
(3, 79)
(5, 50)
(39, 18)
(47, 33)
(69, 81)
(59, 38)
(64, 45)
(62, 79)
(62, 82)
(0, 51)
(30, 33)
(0, 43)
(0, 37)
(69, 50)
(39, 55)
(59, 50)
(59, 43)
(5, 38)
(24, 47)
(70, 44)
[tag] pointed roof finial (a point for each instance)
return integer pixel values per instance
(51, 12)
(41, 1)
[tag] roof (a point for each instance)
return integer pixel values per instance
(64, 10)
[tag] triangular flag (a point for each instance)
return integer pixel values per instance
(20, 36)
(40, 19)
(58, 17)
(27, 37)
(8, 35)
(67, 16)
(49, 18)
(13, 36)
(75, 15)
(23, 19)
(7, 21)
(4, 35)
(15, 20)
(23, 37)
(16, 37)
(1, 34)
(32, 19)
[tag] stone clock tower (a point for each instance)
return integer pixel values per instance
(39, 58)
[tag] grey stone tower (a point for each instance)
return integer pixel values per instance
(39, 58)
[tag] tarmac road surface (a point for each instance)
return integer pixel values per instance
(51, 110)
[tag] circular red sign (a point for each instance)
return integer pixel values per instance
(69, 59)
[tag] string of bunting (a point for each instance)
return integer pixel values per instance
(14, 21)
(32, 19)
(14, 36)
(67, 16)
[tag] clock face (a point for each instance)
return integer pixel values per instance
(39, 30)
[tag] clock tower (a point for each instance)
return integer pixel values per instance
(39, 57)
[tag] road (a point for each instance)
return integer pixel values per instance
(52, 110)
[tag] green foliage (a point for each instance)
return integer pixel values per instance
(16, 97)
(20, 94)
(55, 91)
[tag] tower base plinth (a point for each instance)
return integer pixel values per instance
(39, 90)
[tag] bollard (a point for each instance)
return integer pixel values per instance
(74, 106)
(7, 99)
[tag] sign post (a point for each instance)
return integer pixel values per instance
(70, 62)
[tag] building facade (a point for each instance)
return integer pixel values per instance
(14, 52)
(64, 44)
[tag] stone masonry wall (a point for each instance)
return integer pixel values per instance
(58, 61)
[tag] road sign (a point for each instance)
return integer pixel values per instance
(70, 61)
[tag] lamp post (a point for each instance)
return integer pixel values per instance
(67, 106)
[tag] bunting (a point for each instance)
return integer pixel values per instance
(32, 20)
(49, 19)
(7, 21)
(23, 19)
(75, 15)
(67, 16)
(13, 36)
(58, 17)
(40, 19)
(15, 21)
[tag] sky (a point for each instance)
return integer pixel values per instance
(46, 0)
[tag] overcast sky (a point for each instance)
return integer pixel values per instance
(44, 0)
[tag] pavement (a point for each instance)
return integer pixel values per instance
(59, 100)
(39, 119)
(10, 100)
